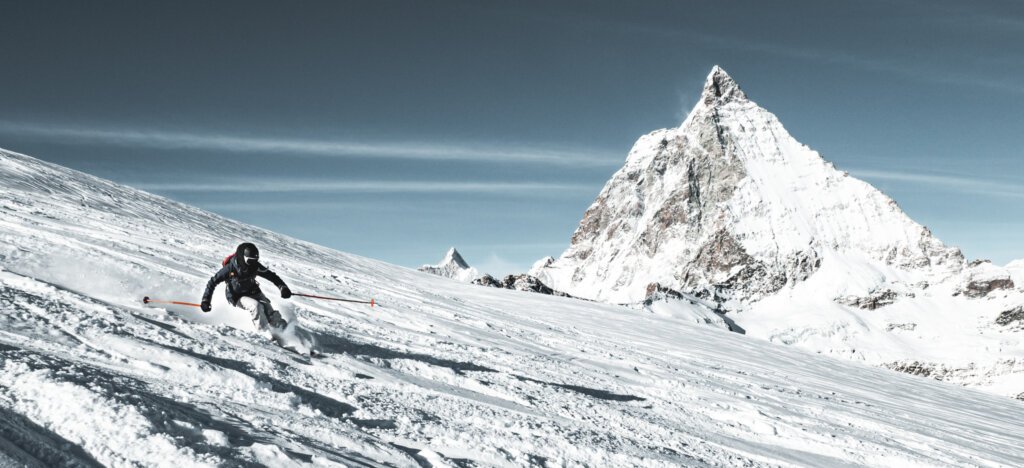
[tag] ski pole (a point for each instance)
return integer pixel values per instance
(371, 301)
(147, 300)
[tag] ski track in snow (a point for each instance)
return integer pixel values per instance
(440, 373)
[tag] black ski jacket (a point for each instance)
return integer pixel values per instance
(241, 280)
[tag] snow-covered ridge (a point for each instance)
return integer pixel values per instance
(452, 266)
(729, 203)
(440, 373)
(730, 208)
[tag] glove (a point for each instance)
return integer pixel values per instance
(205, 306)
(285, 292)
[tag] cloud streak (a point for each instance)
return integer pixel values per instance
(368, 186)
(955, 183)
(429, 151)
(899, 67)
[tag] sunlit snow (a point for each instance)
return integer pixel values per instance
(439, 373)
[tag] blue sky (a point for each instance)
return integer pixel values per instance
(397, 129)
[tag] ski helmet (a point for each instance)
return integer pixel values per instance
(248, 255)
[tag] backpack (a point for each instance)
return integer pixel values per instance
(226, 260)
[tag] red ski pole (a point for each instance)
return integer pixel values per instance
(371, 301)
(147, 300)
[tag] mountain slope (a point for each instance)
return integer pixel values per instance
(439, 373)
(731, 205)
(730, 208)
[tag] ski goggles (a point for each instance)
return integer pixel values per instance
(251, 260)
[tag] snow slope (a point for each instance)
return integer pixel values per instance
(439, 374)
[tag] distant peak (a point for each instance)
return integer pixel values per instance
(452, 256)
(452, 267)
(719, 85)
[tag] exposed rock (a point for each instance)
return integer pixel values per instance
(1013, 317)
(656, 290)
(958, 374)
(930, 369)
(520, 282)
(981, 278)
(981, 288)
(874, 300)
(669, 302)
(923, 369)
(901, 326)
(489, 281)
(721, 86)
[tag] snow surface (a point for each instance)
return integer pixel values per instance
(1016, 271)
(955, 337)
(438, 374)
(539, 266)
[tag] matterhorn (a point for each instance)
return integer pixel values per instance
(730, 206)
(452, 266)
(729, 214)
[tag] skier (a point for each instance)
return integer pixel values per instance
(240, 271)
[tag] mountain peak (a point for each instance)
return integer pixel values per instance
(453, 257)
(730, 205)
(453, 266)
(719, 85)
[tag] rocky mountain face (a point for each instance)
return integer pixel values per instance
(452, 266)
(518, 282)
(728, 221)
(729, 206)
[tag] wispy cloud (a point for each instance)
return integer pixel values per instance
(367, 186)
(264, 206)
(555, 247)
(424, 150)
(899, 67)
(948, 182)
(499, 266)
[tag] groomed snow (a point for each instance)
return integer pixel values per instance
(440, 373)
